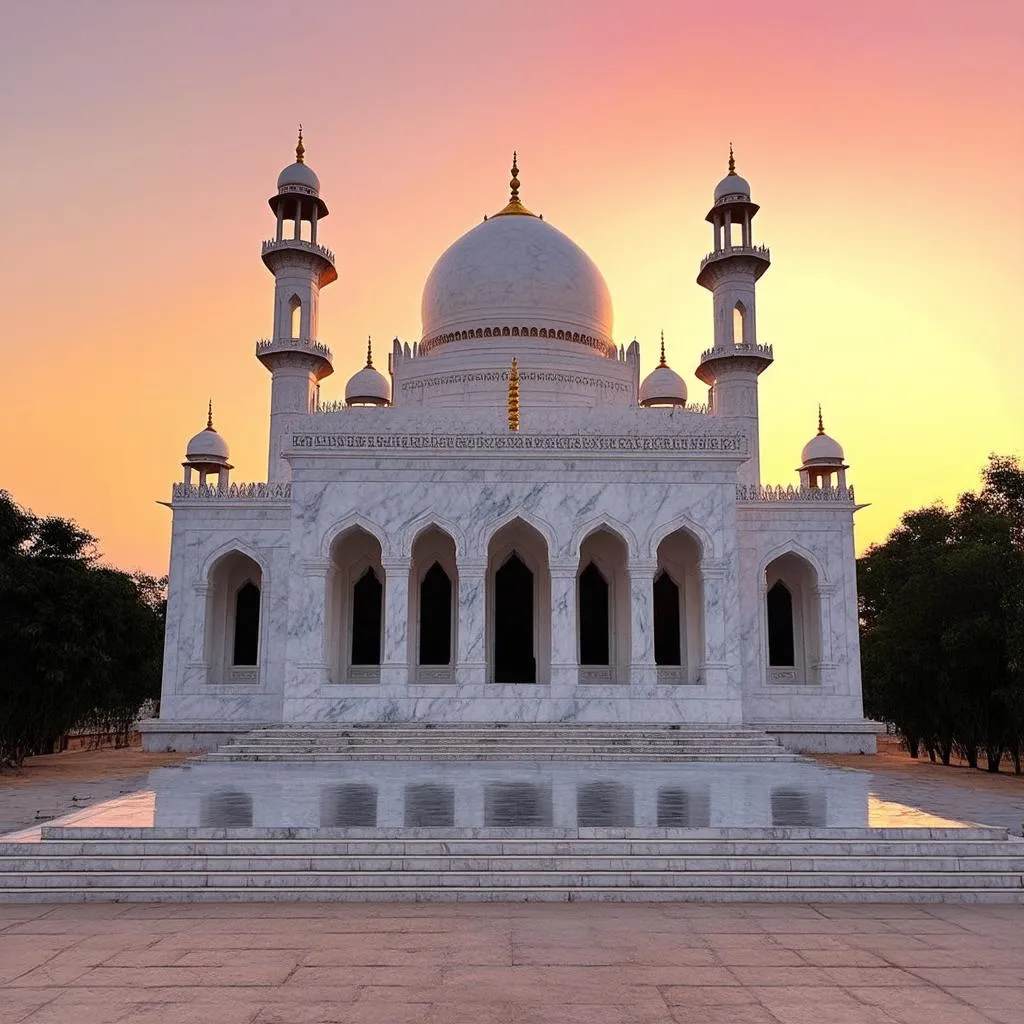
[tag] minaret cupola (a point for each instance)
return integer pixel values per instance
(662, 386)
(294, 355)
(821, 459)
(369, 386)
(207, 454)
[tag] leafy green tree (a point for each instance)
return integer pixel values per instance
(80, 643)
(942, 623)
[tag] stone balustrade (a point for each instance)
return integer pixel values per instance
(235, 492)
(720, 351)
(267, 345)
(791, 493)
(757, 251)
(273, 245)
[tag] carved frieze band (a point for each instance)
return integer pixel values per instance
(528, 376)
(736, 443)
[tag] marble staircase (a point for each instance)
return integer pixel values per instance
(514, 742)
(767, 865)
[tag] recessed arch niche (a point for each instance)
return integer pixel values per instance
(518, 606)
(792, 620)
(433, 606)
(678, 602)
(234, 619)
(602, 608)
(355, 607)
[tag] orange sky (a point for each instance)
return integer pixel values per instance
(884, 143)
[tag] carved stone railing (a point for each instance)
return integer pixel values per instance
(720, 351)
(234, 492)
(273, 245)
(791, 493)
(335, 405)
(759, 251)
(268, 345)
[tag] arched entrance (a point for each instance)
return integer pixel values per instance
(233, 619)
(519, 606)
(792, 616)
(679, 609)
(355, 607)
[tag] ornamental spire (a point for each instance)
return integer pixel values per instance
(821, 426)
(300, 149)
(369, 352)
(513, 396)
(732, 161)
(662, 363)
(209, 415)
(514, 204)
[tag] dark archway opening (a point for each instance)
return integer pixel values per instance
(247, 625)
(780, 626)
(514, 660)
(367, 611)
(436, 617)
(667, 639)
(594, 645)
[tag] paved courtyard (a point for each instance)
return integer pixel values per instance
(600, 963)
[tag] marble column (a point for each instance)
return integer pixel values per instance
(643, 674)
(394, 668)
(471, 656)
(308, 669)
(564, 649)
(720, 650)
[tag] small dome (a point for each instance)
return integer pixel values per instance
(663, 386)
(207, 446)
(821, 448)
(298, 174)
(369, 386)
(732, 184)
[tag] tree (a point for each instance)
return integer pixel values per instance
(80, 642)
(942, 623)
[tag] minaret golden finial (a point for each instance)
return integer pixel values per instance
(662, 363)
(369, 352)
(209, 415)
(732, 161)
(513, 396)
(821, 426)
(300, 149)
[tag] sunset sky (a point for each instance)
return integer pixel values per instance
(883, 141)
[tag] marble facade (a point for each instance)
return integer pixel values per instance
(427, 462)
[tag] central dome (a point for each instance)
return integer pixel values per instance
(516, 274)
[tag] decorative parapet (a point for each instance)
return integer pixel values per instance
(791, 493)
(235, 492)
(267, 346)
(758, 251)
(273, 245)
(722, 351)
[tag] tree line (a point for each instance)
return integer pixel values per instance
(942, 624)
(81, 643)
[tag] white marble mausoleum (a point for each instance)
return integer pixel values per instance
(513, 523)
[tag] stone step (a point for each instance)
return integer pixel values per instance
(497, 863)
(561, 894)
(492, 755)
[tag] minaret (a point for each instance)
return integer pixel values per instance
(301, 267)
(730, 272)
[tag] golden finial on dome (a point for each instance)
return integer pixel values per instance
(209, 415)
(300, 149)
(369, 352)
(821, 426)
(513, 396)
(732, 161)
(514, 203)
(662, 363)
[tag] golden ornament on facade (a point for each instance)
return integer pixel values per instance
(513, 396)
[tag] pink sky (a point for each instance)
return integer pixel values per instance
(884, 143)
